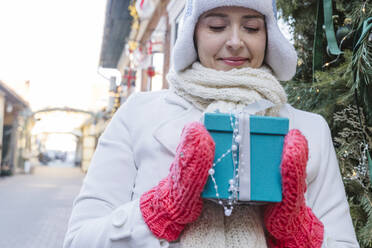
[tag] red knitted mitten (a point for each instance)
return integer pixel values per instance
(176, 201)
(291, 223)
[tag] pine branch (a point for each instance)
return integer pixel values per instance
(362, 61)
(365, 232)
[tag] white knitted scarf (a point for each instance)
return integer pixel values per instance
(211, 90)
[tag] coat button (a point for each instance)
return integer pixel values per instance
(119, 218)
(164, 244)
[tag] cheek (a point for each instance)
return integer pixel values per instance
(258, 47)
(262, 48)
(208, 46)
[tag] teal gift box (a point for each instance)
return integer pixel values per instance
(262, 181)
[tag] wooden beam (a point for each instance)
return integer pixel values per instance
(167, 53)
(159, 11)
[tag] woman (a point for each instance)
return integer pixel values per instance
(151, 164)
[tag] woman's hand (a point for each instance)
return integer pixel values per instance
(291, 223)
(176, 200)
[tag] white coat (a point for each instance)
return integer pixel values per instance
(135, 152)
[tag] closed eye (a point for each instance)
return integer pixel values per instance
(217, 28)
(253, 30)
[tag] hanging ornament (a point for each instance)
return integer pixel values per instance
(342, 32)
(343, 35)
(145, 8)
(133, 78)
(151, 71)
(138, 56)
(324, 23)
(129, 77)
(124, 80)
(149, 48)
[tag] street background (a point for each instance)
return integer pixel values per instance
(35, 208)
(66, 66)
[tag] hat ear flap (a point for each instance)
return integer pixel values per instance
(275, 10)
(188, 10)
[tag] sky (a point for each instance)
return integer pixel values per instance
(56, 45)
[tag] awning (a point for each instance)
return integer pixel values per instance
(116, 30)
(12, 96)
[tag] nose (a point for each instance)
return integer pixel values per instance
(235, 41)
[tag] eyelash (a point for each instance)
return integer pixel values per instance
(217, 28)
(251, 29)
(221, 28)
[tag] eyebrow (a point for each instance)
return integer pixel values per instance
(224, 16)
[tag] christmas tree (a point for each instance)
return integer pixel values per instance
(326, 82)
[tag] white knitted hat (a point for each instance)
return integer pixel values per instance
(280, 54)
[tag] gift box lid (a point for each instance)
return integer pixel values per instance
(258, 124)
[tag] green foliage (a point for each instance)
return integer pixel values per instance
(348, 143)
(332, 96)
(362, 62)
(365, 233)
(324, 97)
(301, 17)
(303, 31)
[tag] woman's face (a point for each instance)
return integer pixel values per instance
(231, 37)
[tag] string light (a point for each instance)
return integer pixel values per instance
(133, 12)
(133, 45)
(364, 7)
(326, 64)
(135, 25)
(348, 21)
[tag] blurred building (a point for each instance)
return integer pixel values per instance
(116, 31)
(138, 40)
(143, 50)
(15, 128)
(90, 132)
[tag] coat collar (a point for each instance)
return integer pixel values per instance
(168, 133)
(173, 98)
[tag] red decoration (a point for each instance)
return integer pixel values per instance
(141, 4)
(151, 71)
(129, 77)
(149, 47)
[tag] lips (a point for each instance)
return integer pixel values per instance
(234, 61)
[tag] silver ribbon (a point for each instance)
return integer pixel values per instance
(245, 146)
